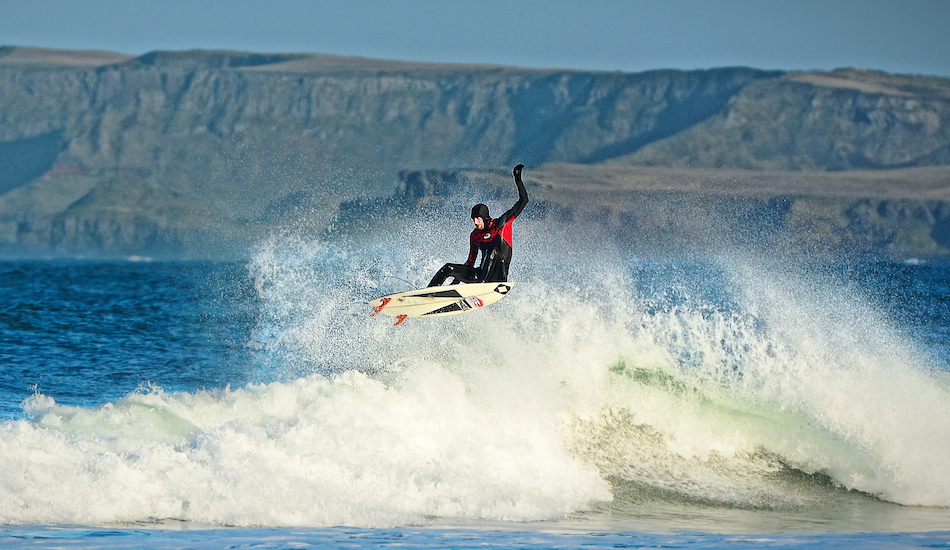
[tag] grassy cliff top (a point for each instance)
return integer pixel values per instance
(48, 57)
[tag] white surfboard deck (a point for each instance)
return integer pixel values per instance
(438, 301)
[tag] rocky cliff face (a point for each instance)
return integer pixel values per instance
(163, 116)
(843, 120)
(256, 140)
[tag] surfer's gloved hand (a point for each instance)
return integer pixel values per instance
(517, 172)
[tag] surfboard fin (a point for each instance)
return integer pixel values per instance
(401, 319)
(380, 307)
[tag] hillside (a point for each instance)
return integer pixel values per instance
(844, 120)
(217, 149)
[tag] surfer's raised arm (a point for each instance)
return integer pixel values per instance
(491, 237)
(515, 210)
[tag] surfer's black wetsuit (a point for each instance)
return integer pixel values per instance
(494, 242)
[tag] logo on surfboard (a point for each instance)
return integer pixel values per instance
(475, 301)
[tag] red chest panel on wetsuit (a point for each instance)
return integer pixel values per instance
(488, 238)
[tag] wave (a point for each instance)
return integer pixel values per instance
(744, 384)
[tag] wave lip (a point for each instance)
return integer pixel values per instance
(799, 377)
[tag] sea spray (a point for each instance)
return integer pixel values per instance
(797, 374)
(855, 375)
(777, 381)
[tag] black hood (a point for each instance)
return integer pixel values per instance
(480, 211)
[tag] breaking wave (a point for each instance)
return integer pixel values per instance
(731, 382)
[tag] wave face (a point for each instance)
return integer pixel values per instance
(734, 383)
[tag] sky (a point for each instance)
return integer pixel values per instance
(897, 36)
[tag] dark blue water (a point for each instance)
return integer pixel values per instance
(90, 332)
(187, 337)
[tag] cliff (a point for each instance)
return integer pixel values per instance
(211, 150)
(844, 120)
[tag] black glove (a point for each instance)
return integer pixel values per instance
(517, 172)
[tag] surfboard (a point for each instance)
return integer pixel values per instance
(438, 301)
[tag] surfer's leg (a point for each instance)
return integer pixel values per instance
(460, 272)
(441, 275)
(494, 268)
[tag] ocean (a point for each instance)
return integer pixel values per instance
(612, 399)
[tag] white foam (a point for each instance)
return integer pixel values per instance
(316, 452)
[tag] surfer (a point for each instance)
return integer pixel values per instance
(493, 238)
